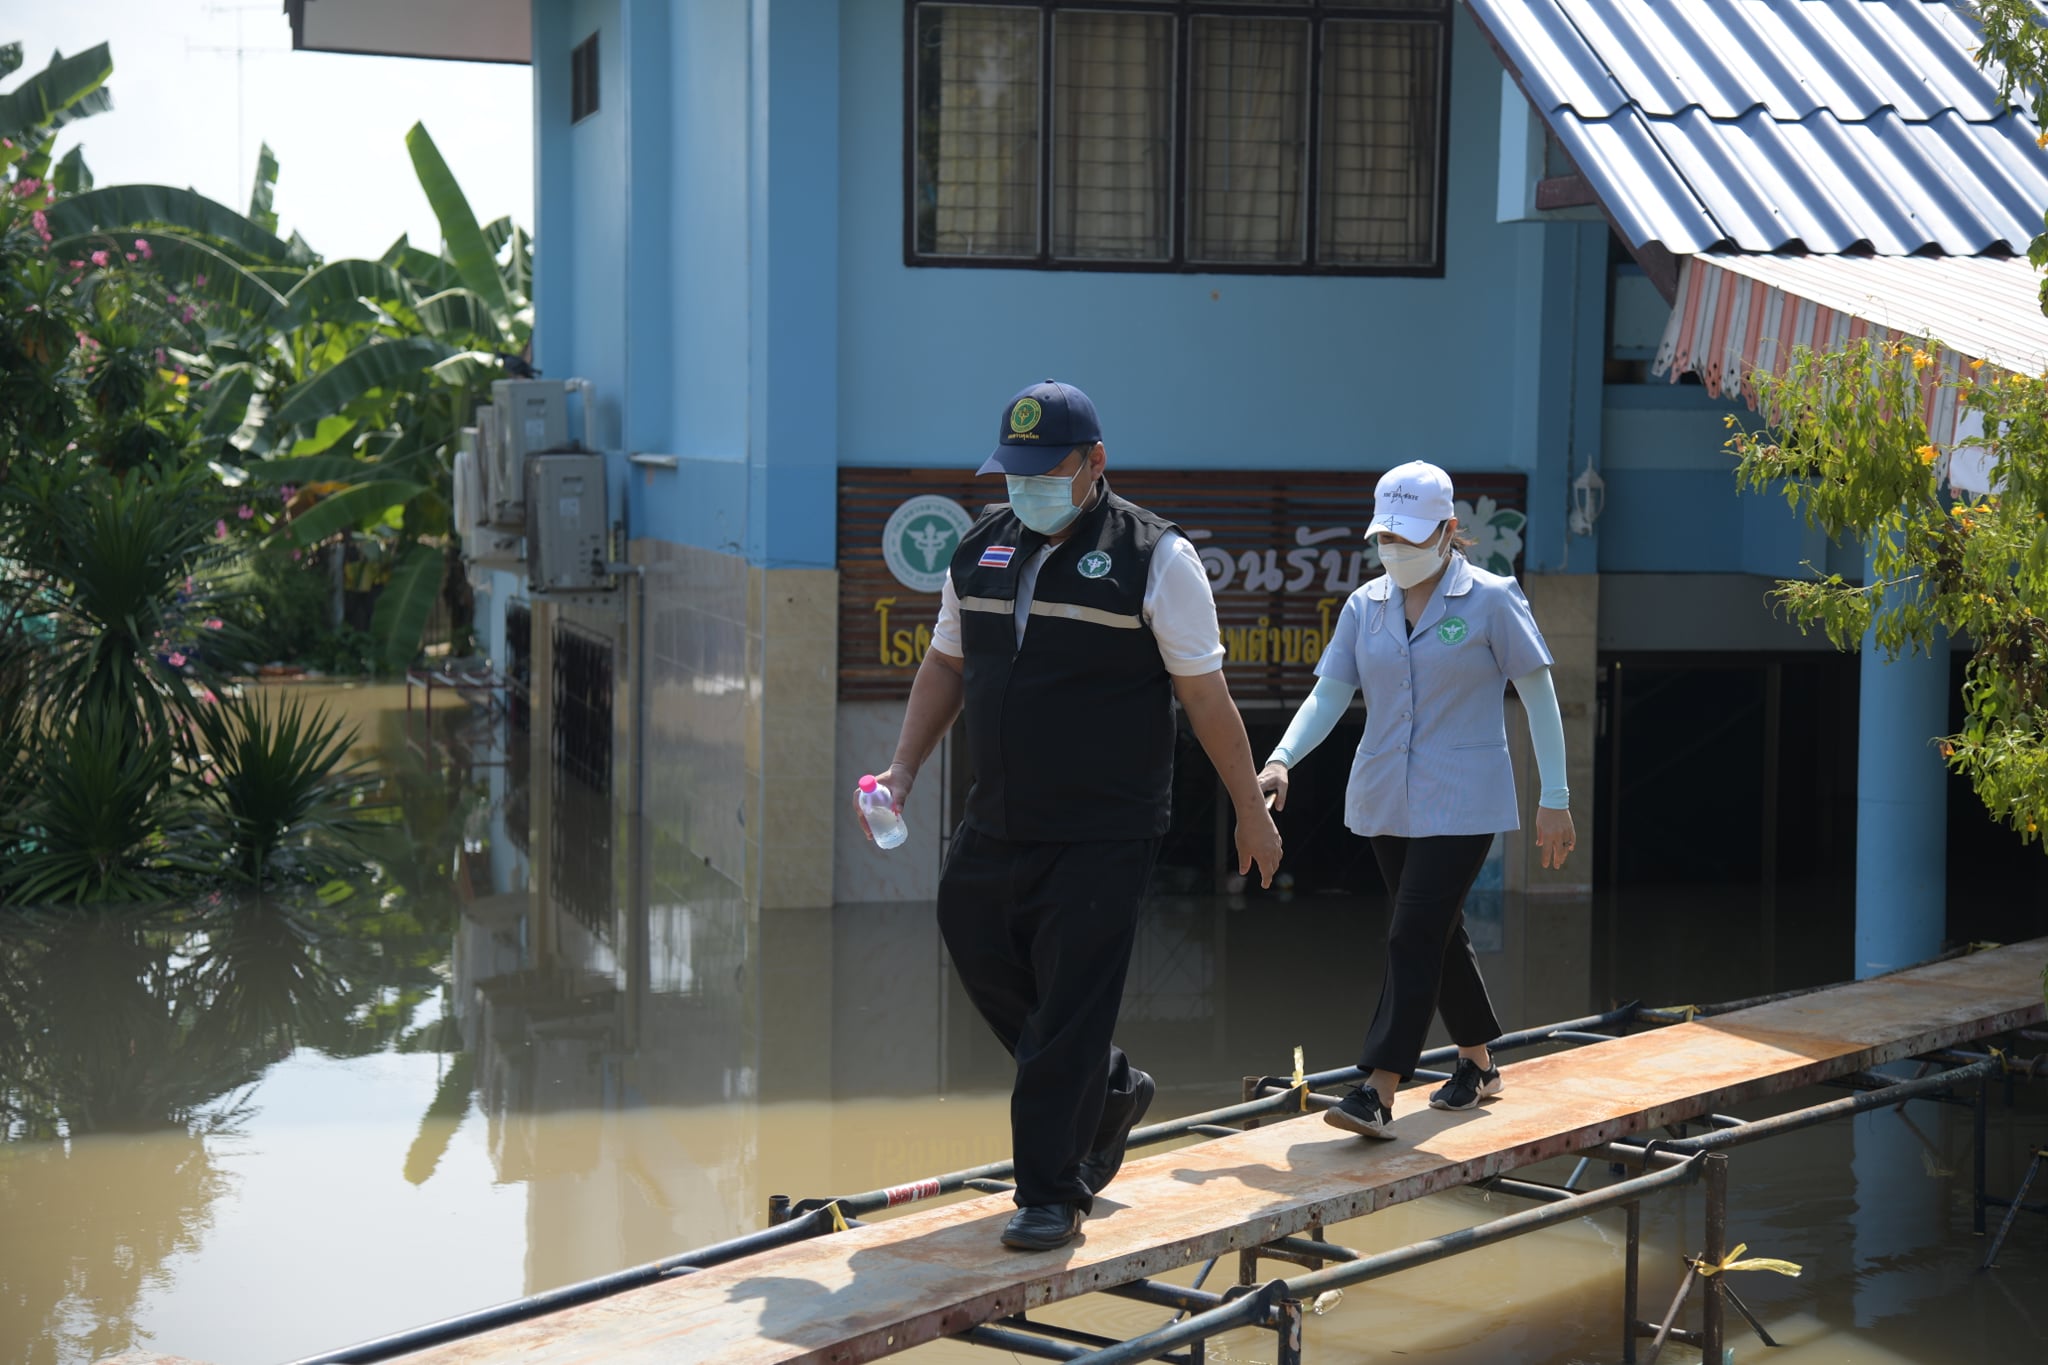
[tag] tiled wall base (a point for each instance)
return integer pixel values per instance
(742, 685)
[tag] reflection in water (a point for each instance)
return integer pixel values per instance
(246, 1133)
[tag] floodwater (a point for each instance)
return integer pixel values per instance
(247, 1134)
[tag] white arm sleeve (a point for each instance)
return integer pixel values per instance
(946, 631)
(1314, 721)
(1546, 734)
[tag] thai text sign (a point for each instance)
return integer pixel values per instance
(1283, 550)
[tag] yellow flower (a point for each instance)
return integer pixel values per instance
(1976, 364)
(1921, 360)
(2041, 141)
(1928, 454)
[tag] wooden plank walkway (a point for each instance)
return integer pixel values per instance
(873, 1291)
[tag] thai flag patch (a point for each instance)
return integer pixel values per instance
(997, 556)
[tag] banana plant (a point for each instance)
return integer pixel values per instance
(348, 378)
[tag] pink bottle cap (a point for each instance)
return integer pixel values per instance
(868, 783)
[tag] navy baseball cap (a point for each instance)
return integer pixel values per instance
(1040, 425)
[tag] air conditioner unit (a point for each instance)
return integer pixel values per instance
(566, 510)
(468, 491)
(528, 417)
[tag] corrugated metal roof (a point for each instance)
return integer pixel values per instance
(1767, 125)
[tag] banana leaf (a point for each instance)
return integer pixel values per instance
(458, 315)
(72, 175)
(408, 599)
(262, 191)
(428, 273)
(350, 508)
(335, 291)
(121, 208)
(10, 59)
(378, 365)
(228, 402)
(468, 249)
(519, 269)
(497, 232)
(39, 101)
(470, 370)
(309, 469)
(326, 433)
(185, 261)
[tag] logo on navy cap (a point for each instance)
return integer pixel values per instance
(1024, 416)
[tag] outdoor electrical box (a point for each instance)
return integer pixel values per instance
(566, 509)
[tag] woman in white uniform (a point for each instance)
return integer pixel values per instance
(1433, 643)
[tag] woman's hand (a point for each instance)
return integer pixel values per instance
(1555, 835)
(1273, 782)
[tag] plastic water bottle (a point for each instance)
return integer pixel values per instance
(879, 809)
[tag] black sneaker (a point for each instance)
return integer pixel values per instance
(1467, 1086)
(1100, 1166)
(1362, 1112)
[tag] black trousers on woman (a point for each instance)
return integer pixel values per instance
(1041, 935)
(1430, 963)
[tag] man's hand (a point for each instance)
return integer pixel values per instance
(1258, 841)
(1273, 782)
(898, 780)
(1555, 835)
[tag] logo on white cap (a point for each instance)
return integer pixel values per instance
(1412, 500)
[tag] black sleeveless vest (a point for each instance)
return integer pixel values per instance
(1071, 736)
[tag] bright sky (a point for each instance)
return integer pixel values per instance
(337, 123)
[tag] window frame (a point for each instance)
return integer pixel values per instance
(1184, 12)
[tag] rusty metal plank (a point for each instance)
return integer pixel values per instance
(877, 1290)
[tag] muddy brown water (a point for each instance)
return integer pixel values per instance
(246, 1134)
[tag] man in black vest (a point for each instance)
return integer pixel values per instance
(1070, 623)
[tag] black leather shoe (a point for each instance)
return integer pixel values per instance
(1100, 1166)
(1042, 1227)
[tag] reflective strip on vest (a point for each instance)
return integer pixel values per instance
(996, 604)
(1093, 615)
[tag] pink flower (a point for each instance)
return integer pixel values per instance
(26, 186)
(142, 245)
(199, 280)
(246, 512)
(176, 660)
(99, 258)
(78, 265)
(170, 296)
(295, 556)
(131, 256)
(208, 778)
(189, 313)
(188, 586)
(220, 530)
(40, 221)
(206, 695)
(288, 492)
(160, 356)
(213, 623)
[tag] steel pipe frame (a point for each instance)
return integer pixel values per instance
(1262, 1307)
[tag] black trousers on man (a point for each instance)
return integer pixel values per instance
(1430, 963)
(1041, 935)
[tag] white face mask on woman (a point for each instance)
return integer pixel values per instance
(1408, 565)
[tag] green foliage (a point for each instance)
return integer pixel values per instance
(263, 189)
(68, 88)
(95, 821)
(1847, 447)
(276, 776)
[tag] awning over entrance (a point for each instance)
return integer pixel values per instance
(1736, 313)
(454, 30)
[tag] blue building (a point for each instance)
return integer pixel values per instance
(804, 249)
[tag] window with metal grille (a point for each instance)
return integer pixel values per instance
(583, 80)
(1291, 136)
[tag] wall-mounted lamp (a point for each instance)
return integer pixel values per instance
(1589, 499)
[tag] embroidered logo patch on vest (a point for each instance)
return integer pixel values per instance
(1094, 564)
(1025, 415)
(1453, 631)
(996, 557)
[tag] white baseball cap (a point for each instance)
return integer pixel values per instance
(1412, 500)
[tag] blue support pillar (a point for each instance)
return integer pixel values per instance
(1901, 810)
(1561, 328)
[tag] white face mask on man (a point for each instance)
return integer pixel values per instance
(1408, 564)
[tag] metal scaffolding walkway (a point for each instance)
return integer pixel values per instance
(875, 1289)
